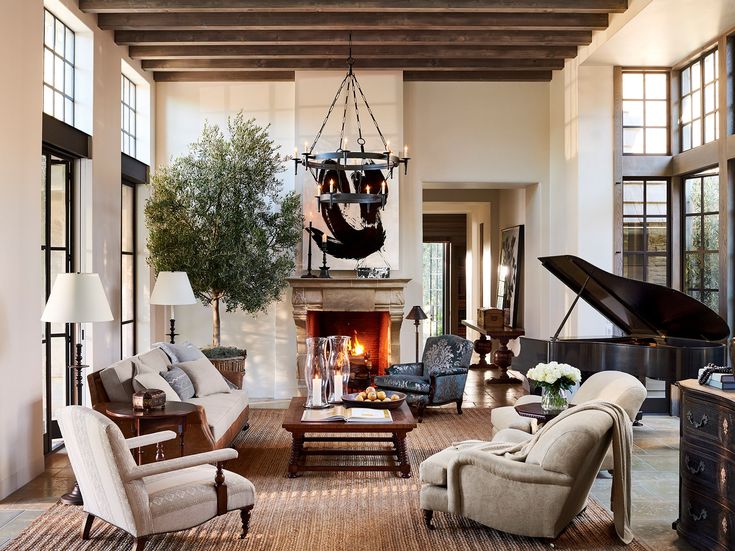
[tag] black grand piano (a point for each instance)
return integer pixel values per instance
(669, 336)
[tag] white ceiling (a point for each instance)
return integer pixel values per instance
(663, 32)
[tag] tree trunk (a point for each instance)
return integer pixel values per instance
(215, 323)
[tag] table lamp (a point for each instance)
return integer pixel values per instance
(77, 298)
(417, 315)
(172, 289)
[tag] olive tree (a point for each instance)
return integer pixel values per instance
(220, 214)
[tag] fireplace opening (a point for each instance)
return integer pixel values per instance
(369, 333)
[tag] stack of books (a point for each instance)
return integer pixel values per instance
(723, 381)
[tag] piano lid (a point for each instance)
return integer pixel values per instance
(637, 307)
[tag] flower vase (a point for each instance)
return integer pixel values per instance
(553, 399)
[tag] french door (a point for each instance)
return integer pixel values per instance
(56, 250)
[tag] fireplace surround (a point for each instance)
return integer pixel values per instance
(368, 306)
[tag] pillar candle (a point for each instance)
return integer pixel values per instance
(316, 391)
(338, 387)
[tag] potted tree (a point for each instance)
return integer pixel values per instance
(220, 214)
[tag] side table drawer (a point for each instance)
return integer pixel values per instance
(703, 419)
(706, 471)
(704, 521)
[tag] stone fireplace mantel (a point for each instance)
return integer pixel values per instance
(347, 295)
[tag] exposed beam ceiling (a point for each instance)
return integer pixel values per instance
(188, 40)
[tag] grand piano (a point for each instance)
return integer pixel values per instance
(668, 335)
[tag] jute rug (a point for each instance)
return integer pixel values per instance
(330, 511)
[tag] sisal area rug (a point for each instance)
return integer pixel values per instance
(330, 511)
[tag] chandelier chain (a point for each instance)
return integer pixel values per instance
(360, 139)
(372, 116)
(344, 118)
(326, 119)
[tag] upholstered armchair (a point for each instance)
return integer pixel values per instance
(166, 496)
(438, 379)
(616, 387)
(537, 497)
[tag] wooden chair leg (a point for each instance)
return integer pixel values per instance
(420, 412)
(459, 406)
(428, 516)
(139, 544)
(245, 517)
(87, 526)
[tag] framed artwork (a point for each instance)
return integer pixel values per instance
(509, 273)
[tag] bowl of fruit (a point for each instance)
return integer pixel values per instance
(371, 397)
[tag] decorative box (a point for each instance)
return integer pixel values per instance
(149, 399)
(490, 318)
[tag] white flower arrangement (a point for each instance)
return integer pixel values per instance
(555, 375)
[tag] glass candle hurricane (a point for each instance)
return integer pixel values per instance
(338, 369)
(315, 373)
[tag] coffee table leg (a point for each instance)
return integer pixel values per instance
(405, 466)
(297, 445)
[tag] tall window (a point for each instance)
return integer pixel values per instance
(127, 284)
(645, 113)
(436, 262)
(645, 230)
(127, 114)
(58, 69)
(702, 237)
(700, 89)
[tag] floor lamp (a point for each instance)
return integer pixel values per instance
(172, 289)
(77, 298)
(417, 315)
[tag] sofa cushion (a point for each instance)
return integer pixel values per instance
(154, 361)
(148, 380)
(405, 383)
(180, 382)
(222, 410)
(183, 352)
(205, 377)
(117, 380)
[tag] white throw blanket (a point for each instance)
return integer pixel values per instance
(622, 440)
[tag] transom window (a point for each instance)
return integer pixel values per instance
(58, 69)
(701, 256)
(700, 90)
(127, 115)
(645, 113)
(645, 230)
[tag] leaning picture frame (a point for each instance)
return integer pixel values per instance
(509, 273)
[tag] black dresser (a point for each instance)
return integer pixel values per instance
(707, 467)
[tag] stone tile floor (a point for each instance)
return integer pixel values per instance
(655, 483)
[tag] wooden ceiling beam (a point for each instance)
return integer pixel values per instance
(476, 76)
(369, 6)
(341, 52)
(339, 64)
(354, 21)
(223, 76)
(373, 38)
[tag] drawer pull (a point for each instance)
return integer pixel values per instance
(695, 424)
(694, 469)
(701, 516)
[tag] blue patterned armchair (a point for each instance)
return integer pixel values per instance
(438, 379)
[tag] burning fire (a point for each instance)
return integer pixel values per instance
(357, 349)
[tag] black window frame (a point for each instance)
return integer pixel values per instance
(66, 62)
(702, 112)
(128, 183)
(129, 112)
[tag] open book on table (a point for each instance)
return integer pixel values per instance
(350, 415)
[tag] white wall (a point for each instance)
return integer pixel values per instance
(21, 291)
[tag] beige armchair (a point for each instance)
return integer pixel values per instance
(610, 386)
(167, 496)
(537, 497)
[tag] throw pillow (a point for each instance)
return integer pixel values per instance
(147, 381)
(184, 352)
(180, 382)
(205, 377)
(154, 361)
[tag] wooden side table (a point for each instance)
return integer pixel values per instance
(503, 357)
(174, 414)
(535, 411)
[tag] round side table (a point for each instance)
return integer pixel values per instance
(535, 411)
(174, 414)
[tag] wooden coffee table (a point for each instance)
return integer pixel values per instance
(403, 423)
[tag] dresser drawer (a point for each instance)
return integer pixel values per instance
(707, 471)
(704, 521)
(707, 420)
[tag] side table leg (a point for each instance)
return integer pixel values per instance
(502, 359)
(297, 445)
(136, 427)
(181, 437)
(159, 452)
(483, 346)
(405, 466)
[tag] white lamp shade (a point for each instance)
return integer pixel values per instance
(172, 289)
(77, 298)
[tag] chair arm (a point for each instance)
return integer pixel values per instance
(406, 369)
(449, 371)
(185, 462)
(502, 467)
(148, 439)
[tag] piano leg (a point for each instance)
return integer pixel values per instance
(502, 359)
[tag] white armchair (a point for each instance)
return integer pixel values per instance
(144, 500)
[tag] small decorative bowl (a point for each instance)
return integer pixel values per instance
(348, 400)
